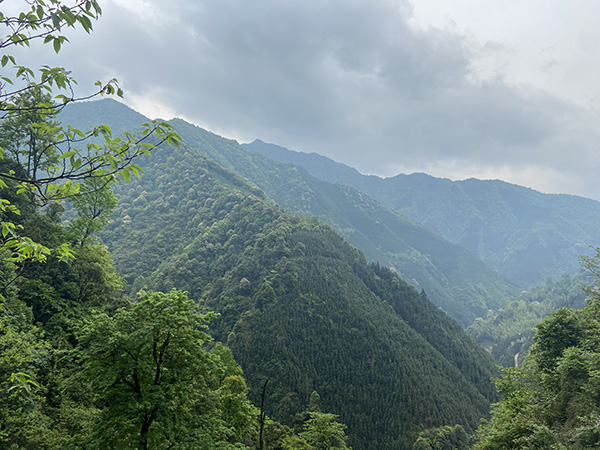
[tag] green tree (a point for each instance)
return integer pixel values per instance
(94, 202)
(553, 400)
(294, 442)
(314, 403)
(56, 159)
(26, 137)
(23, 355)
(156, 383)
(323, 432)
(422, 443)
(563, 329)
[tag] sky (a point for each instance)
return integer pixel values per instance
(458, 89)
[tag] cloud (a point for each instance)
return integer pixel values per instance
(353, 80)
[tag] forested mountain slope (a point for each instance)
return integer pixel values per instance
(298, 305)
(524, 234)
(451, 276)
(119, 117)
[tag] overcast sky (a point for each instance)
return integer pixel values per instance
(479, 88)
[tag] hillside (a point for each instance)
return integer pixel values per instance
(525, 235)
(110, 112)
(298, 305)
(451, 276)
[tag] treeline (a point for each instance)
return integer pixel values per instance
(507, 333)
(552, 402)
(298, 305)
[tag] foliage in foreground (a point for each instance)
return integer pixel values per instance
(156, 384)
(54, 160)
(507, 333)
(82, 367)
(553, 401)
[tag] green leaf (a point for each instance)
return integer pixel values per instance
(67, 154)
(55, 20)
(86, 23)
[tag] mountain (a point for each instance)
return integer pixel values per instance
(118, 116)
(452, 277)
(297, 304)
(525, 235)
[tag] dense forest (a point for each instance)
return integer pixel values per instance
(163, 287)
(298, 305)
(525, 235)
(456, 281)
(497, 314)
(507, 333)
(552, 400)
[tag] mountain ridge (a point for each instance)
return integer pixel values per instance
(452, 278)
(297, 304)
(524, 234)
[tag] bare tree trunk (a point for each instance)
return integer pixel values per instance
(261, 418)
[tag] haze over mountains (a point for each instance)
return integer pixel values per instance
(298, 305)
(525, 235)
(205, 218)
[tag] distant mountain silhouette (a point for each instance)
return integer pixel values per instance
(525, 235)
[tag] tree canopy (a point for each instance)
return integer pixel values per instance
(55, 159)
(553, 400)
(155, 381)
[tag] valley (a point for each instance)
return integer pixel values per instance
(266, 244)
(164, 253)
(163, 286)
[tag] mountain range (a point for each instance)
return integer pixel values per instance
(300, 306)
(525, 235)
(451, 276)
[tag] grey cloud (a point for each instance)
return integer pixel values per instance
(349, 79)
